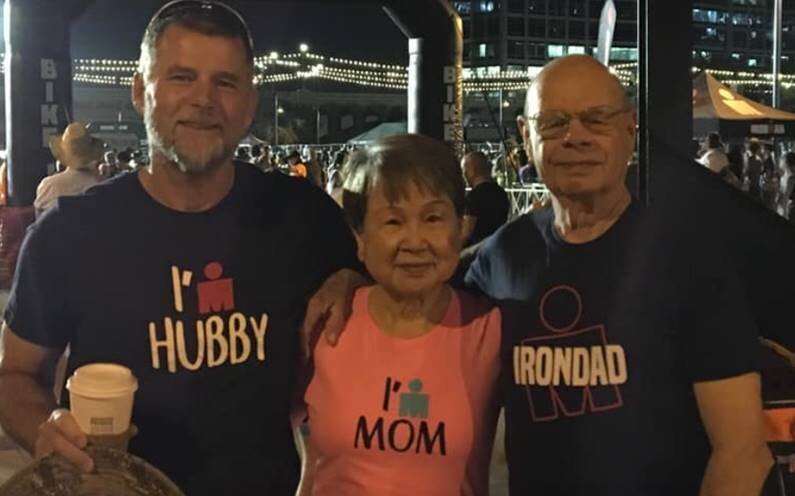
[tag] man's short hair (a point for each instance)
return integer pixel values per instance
(395, 162)
(713, 140)
(203, 16)
(481, 166)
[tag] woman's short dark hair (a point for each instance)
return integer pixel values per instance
(394, 163)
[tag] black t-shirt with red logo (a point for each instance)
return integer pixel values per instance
(203, 307)
(602, 343)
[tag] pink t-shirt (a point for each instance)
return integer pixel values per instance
(416, 417)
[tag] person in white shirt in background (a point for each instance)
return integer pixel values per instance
(80, 153)
(714, 158)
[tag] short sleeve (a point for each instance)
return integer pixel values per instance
(478, 275)
(720, 332)
(38, 309)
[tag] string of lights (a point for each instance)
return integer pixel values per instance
(273, 68)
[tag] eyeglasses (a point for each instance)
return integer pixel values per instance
(221, 13)
(555, 123)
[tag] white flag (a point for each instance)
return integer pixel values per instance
(607, 25)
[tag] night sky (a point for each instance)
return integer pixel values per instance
(113, 28)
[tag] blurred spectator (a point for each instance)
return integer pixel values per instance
(315, 170)
(108, 166)
(735, 157)
(261, 157)
(769, 187)
(335, 176)
(124, 159)
(296, 165)
(787, 190)
(767, 152)
(527, 171)
(752, 169)
(714, 159)
(80, 153)
(487, 202)
(242, 155)
(4, 183)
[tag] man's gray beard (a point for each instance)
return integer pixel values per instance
(170, 152)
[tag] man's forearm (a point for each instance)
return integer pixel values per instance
(737, 474)
(24, 405)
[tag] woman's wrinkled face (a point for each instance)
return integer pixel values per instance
(411, 245)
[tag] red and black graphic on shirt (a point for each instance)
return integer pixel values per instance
(568, 372)
(205, 328)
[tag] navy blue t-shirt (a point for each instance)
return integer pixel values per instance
(203, 307)
(602, 343)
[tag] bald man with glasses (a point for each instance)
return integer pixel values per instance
(628, 345)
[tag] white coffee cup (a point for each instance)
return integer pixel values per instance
(101, 398)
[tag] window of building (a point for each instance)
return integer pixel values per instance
(536, 50)
(757, 40)
(625, 32)
(711, 16)
(702, 56)
(593, 30)
(515, 49)
(493, 26)
(557, 29)
(739, 39)
(482, 49)
(537, 6)
(576, 49)
(741, 19)
(624, 53)
(467, 26)
(556, 51)
(577, 30)
(626, 10)
(485, 5)
(709, 35)
(753, 62)
(737, 56)
(536, 28)
(516, 6)
(558, 7)
(516, 26)
(487, 26)
(595, 8)
(463, 7)
(576, 8)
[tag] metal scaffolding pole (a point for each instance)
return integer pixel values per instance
(665, 103)
(777, 53)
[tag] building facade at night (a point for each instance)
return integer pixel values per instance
(514, 34)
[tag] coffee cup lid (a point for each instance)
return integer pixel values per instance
(102, 380)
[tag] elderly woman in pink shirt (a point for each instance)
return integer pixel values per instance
(405, 404)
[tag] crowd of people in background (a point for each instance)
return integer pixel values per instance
(759, 168)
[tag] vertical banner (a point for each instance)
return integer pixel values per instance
(607, 26)
(435, 86)
(38, 84)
